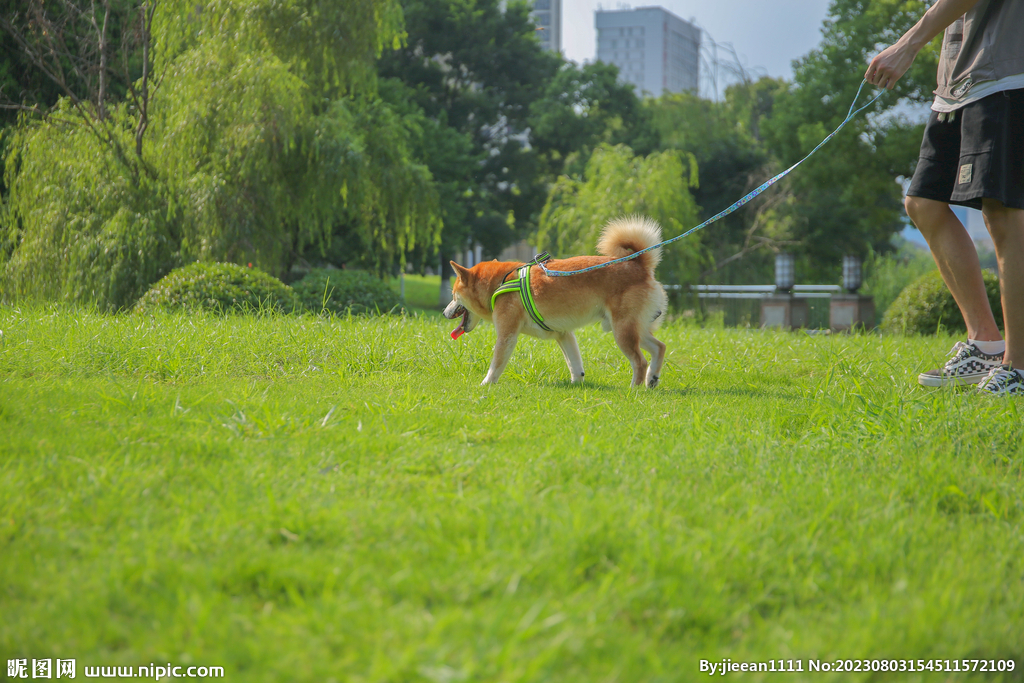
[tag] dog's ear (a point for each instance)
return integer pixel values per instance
(460, 271)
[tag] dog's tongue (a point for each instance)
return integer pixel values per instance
(461, 329)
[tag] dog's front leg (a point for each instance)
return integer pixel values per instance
(571, 351)
(503, 349)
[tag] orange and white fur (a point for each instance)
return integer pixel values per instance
(625, 298)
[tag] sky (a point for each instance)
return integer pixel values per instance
(767, 36)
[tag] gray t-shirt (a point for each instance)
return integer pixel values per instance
(984, 45)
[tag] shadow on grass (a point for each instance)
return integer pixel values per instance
(745, 392)
(692, 391)
(585, 385)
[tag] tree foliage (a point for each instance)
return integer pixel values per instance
(264, 136)
(843, 200)
(725, 141)
(330, 46)
(454, 165)
(78, 225)
(475, 68)
(277, 116)
(519, 114)
(584, 106)
(369, 133)
(847, 200)
(88, 51)
(617, 183)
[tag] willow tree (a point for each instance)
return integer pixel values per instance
(262, 133)
(272, 121)
(85, 216)
(617, 183)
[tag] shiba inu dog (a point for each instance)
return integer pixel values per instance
(624, 297)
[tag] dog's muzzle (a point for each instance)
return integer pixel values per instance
(455, 310)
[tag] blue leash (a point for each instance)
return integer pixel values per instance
(771, 181)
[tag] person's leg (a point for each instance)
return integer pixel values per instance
(957, 259)
(1006, 225)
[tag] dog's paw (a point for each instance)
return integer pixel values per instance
(652, 381)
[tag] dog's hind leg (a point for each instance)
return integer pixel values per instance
(571, 351)
(503, 349)
(627, 336)
(656, 348)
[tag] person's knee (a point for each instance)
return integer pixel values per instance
(925, 213)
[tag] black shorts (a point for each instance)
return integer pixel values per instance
(979, 153)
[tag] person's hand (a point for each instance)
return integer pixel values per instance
(890, 64)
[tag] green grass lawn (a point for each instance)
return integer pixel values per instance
(298, 499)
(421, 291)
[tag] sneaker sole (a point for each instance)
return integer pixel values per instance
(962, 381)
(998, 394)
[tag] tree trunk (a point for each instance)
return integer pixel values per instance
(445, 294)
(101, 97)
(140, 130)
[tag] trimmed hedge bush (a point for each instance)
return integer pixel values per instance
(926, 303)
(220, 287)
(346, 290)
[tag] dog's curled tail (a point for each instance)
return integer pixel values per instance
(628, 235)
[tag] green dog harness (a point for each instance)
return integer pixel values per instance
(522, 285)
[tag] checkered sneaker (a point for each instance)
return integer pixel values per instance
(1003, 380)
(967, 365)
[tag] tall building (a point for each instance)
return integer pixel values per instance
(654, 49)
(547, 14)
